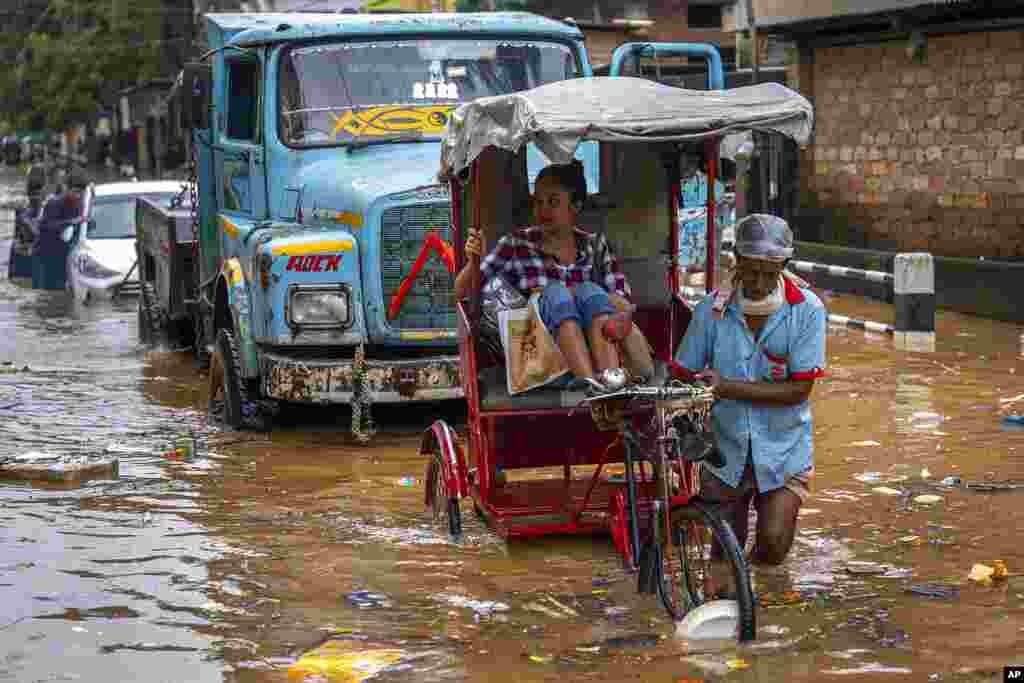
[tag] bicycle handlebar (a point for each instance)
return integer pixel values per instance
(673, 392)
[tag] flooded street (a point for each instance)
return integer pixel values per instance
(234, 564)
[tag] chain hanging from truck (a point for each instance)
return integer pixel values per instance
(362, 418)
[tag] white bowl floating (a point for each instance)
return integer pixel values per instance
(715, 620)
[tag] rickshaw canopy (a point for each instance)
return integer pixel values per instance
(559, 116)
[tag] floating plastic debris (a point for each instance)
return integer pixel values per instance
(407, 481)
(715, 620)
(925, 473)
(863, 567)
(862, 444)
(897, 573)
(984, 574)
(885, 490)
(340, 661)
(868, 476)
(927, 499)
(941, 591)
(482, 607)
(951, 481)
(369, 600)
(63, 468)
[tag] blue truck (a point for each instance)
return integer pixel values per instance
(319, 265)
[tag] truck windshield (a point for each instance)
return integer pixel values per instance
(332, 94)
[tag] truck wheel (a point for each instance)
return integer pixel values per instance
(227, 363)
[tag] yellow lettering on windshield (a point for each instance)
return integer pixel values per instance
(388, 120)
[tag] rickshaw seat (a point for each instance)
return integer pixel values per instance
(494, 394)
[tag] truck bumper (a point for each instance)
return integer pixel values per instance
(389, 381)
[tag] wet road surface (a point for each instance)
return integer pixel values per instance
(232, 565)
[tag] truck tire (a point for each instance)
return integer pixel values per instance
(231, 384)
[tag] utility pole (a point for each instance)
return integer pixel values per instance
(752, 25)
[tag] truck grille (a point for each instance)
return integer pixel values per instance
(428, 304)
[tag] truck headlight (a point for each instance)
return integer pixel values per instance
(315, 306)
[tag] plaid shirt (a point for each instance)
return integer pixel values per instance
(519, 258)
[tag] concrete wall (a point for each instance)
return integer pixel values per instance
(989, 289)
(922, 156)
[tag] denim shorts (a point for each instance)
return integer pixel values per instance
(557, 304)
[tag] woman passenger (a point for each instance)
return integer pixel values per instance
(564, 263)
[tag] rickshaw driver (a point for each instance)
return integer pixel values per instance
(559, 259)
(761, 347)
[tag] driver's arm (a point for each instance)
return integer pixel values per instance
(806, 363)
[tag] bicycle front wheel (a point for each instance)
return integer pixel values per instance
(688, 578)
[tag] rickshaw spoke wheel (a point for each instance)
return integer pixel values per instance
(442, 504)
(688, 578)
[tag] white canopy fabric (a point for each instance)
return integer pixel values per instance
(559, 116)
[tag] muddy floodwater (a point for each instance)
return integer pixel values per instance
(234, 564)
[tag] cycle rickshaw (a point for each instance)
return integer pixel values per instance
(644, 131)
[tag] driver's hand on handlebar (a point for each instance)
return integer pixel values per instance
(711, 377)
(475, 244)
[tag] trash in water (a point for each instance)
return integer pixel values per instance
(483, 607)
(1014, 419)
(984, 574)
(941, 591)
(339, 661)
(924, 418)
(63, 468)
(368, 599)
(715, 620)
(634, 641)
(540, 659)
(927, 499)
(407, 481)
(885, 490)
(950, 481)
(868, 476)
(736, 664)
(897, 573)
(1008, 485)
(865, 443)
(544, 609)
(925, 473)
(863, 567)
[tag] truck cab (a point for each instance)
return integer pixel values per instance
(325, 272)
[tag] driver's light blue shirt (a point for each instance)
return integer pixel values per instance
(791, 346)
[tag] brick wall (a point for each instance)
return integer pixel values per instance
(923, 156)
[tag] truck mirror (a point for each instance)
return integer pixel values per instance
(197, 83)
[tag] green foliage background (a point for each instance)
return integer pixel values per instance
(79, 55)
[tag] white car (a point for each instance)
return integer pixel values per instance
(103, 248)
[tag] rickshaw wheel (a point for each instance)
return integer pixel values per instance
(442, 504)
(686, 566)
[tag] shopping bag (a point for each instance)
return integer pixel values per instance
(532, 358)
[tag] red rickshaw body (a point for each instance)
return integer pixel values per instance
(638, 197)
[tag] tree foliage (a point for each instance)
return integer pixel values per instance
(77, 57)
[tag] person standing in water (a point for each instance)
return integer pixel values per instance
(760, 344)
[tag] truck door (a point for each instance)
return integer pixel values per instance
(239, 157)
